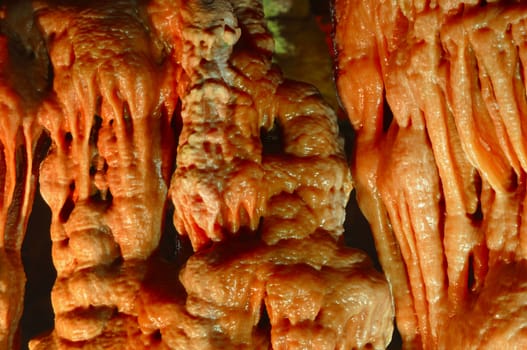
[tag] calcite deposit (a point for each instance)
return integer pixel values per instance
(435, 91)
(156, 109)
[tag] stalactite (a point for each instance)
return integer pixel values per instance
(157, 107)
(22, 146)
(444, 184)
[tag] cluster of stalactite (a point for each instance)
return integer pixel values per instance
(157, 107)
(436, 94)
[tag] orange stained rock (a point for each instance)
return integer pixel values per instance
(130, 82)
(443, 182)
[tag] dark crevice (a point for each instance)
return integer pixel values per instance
(264, 324)
(40, 273)
(93, 170)
(348, 134)
(171, 127)
(41, 151)
(117, 263)
(271, 140)
(477, 216)
(68, 138)
(176, 121)
(167, 243)
(108, 196)
(102, 197)
(66, 210)
(68, 205)
(94, 132)
(156, 336)
(387, 115)
(513, 182)
(173, 247)
(357, 233)
(471, 278)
